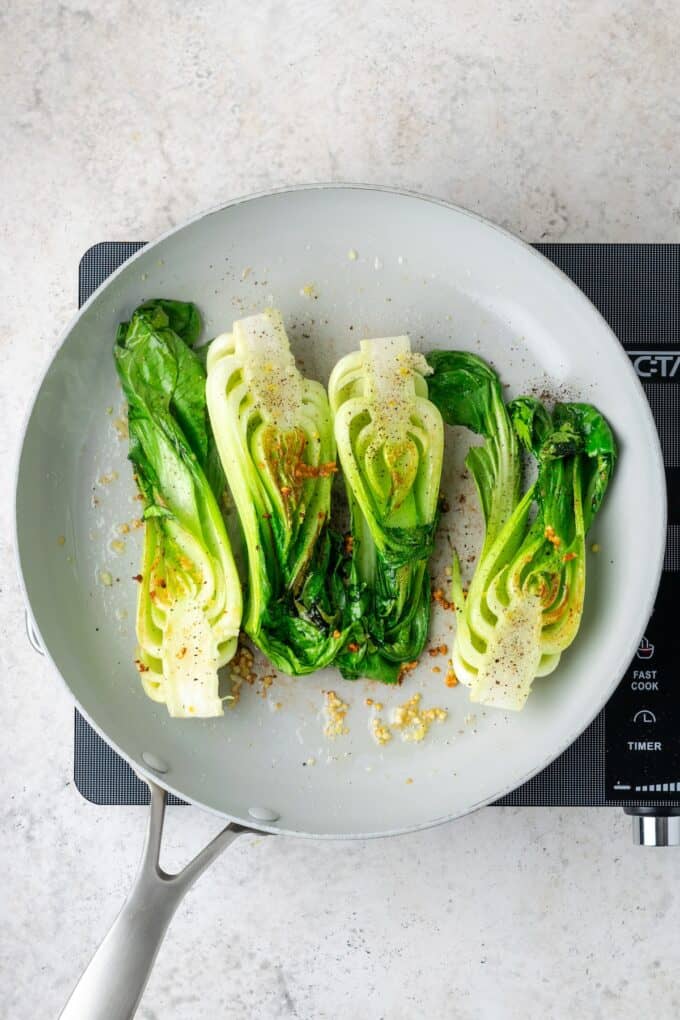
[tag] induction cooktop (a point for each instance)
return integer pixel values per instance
(629, 756)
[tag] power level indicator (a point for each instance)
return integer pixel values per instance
(659, 788)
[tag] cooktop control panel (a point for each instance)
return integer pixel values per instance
(642, 719)
(643, 716)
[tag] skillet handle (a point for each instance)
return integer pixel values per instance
(112, 985)
(32, 634)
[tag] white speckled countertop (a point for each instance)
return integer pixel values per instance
(558, 120)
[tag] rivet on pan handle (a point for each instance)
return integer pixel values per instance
(113, 983)
(32, 635)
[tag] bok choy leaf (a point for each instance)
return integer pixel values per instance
(274, 434)
(525, 601)
(390, 442)
(189, 604)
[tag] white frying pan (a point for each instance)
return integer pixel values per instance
(341, 263)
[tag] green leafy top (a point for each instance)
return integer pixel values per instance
(468, 393)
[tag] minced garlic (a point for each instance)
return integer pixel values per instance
(381, 733)
(336, 712)
(412, 721)
(121, 427)
(236, 684)
(108, 478)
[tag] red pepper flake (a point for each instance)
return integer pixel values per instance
(552, 537)
(310, 471)
(451, 680)
(568, 556)
(138, 578)
(352, 647)
(438, 597)
(406, 667)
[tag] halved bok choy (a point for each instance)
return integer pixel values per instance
(525, 600)
(189, 603)
(273, 431)
(390, 441)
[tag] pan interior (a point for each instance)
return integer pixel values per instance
(341, 263)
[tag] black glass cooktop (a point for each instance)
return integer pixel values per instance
(630, 754)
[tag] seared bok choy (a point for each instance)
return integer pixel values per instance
(525, 600)
(390, 441)
(275, 439)
(189, 606)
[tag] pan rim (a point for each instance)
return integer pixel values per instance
(654, 453)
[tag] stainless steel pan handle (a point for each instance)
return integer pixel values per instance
(32, 634)
(113, 983)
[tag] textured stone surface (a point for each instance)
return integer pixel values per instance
(558, 120)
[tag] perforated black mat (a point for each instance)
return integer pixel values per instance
(637, 289)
